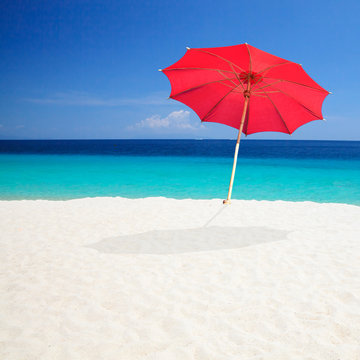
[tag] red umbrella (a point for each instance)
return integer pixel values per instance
(246, 88)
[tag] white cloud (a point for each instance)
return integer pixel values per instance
(75, 98)
(175, 120)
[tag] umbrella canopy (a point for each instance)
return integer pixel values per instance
(246, 88)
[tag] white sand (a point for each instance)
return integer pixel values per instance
(112, 278)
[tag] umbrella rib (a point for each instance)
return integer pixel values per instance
(257, 81)
(206, 115)
(230, 86)
(233, 70)
(291, 97)
(250, 60)
(269, 92)
(267, 85)
(231, 80)
(273, 66)
(197, 68)
(200, 85)
(237, 76)
(267, 69)
(227, 61)
(220, 57)
(277, 110)
(294, 82)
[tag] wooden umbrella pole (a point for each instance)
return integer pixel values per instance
(247, 96)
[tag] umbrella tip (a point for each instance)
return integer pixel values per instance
(330, 92)
(159, 69)
(324, 119)
(187, 48)
(300, 64)
(246, 43)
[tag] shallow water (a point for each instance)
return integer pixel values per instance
(322, 171)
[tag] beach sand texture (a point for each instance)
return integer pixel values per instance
(156, 278)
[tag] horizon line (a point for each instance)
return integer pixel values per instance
(150, 139)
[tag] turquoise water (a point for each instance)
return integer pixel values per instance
(65, 176)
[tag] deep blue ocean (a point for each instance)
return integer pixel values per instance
(322, 171)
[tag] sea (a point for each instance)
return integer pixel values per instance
(290, 170)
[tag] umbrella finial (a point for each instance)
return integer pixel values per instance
(187, 48)
(159, 69)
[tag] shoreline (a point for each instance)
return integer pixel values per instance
(175, 199)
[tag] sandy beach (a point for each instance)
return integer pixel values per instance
(156, 278)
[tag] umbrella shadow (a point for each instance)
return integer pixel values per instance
(161, 242)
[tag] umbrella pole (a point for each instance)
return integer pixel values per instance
(227, 201)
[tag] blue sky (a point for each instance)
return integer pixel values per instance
(88, 69)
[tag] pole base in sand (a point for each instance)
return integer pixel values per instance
(226, 202)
